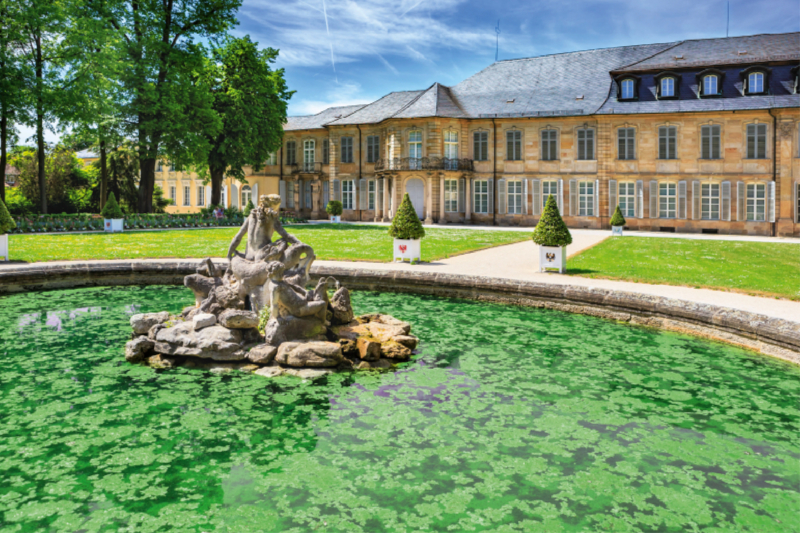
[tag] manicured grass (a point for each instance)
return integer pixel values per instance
(760, 268)
(330, 241)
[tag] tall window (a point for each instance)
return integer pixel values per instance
(173, 194)
(756, 202)
(172, 167)
(187, 198)
(710, 84)
(326, 147)
(549, 145)
(626, 89)
(667, 87)
(668, 200)
(756, 141)
(201, 196)
(709, 201)
(415, 150)
(451, 196)
(548, 188)
(514, 197)
(514, 145)
(291, 153)
(373, 148)
(451, 150)
(307, 191)
(371, 195)
(160, 167)
(586, 198)
(309, 155)
(348, 194)
(710, 142)
(755, 83)
(247, 195)
(481, 196)
(626, 138)
(667, 142)
(586, 144)
(347, 150)
(272, 159)
(480, 146)
(627, 199)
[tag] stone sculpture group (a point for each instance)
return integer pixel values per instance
(257, 315)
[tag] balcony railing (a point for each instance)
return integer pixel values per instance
(423, 163)
(306, 168)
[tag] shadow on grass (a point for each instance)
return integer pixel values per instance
(339, 227)
(581, 271)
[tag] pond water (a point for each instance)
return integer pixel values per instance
(509, 420)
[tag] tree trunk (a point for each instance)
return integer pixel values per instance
(147, 170)
(103, 175)
(40, 126)
(3, 156)
(217, 176)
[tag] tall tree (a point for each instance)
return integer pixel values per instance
(42, 26)
(250, 99)
(168, 114)
(11, 82)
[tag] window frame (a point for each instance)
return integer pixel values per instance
(187, 196)
(583, 143)
(249, 191)
(346, 149)
(478, 194)
(754, 201)
(586, 198)
(449, 146)
(291, 152)
(518, 197)
(480, 147)
(173, 194)
(622, 82)
(326, 152)
(514, 145)
(548, 138)
(746, 76)
(370, 195)
(626, 190)
(201, 196)
(451, 196)
(630, 136)
(711, 136)
(676, 85)
(552, 188)
(667, 203)
(348, 196)
(670, 134)
(373, 148)
(309, 147)
(701, 79)
(707, 200)
(757, 153)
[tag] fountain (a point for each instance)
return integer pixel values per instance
(257, 315)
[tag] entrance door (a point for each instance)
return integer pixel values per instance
(416, 192)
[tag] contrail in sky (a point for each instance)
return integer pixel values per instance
(412, 7)
(327, 29)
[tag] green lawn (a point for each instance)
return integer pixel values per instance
(760, 268)
(330, 241)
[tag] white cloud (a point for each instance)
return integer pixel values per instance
(338, 95)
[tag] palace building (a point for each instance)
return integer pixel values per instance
(691, 136)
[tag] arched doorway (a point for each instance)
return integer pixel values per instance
(416, 192)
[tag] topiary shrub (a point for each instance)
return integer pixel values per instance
(6, 222)
(617, 219)
(111, 209)
(406, 223)
(334, 208)
(249, 207)
(551, 229)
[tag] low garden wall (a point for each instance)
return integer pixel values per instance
(771, 336)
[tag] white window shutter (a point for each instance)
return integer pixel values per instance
(696, 200)
(653, 199)
(639, 206)
(337, 190)
(682, 199)
(560, 198)
(597, 198)
(362, 194)
(224, 196)
(771, 201)
(462, 191)
(525, 197)
(472, 189)
(290, 194)
(255, 194)
(741, 201)
(491, 195)
(725, 193)
(501, 196)
(573, 197)
(326, 193)
(235, 195)
(282, 192)
(612, 197)
(536, 185)
(207, 195)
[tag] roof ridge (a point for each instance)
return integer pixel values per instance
(580, 52)
(412, 101)
(435, 88)
(648, 57)
(741, 36)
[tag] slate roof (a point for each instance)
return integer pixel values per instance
(381, 109)
(722, 52)
(318, 121)
(436, 101)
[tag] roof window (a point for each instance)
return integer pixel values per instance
(628, 88)
(710, 83)
(755, 80)
(668, 85)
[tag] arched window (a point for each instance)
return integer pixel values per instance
(710, 84)
(414, 150)
(667, 87)
(755, 83)
(247, 195)
(627, 89)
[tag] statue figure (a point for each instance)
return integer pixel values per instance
(251, 269)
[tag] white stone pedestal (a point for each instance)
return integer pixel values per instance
(553, 258)
(4, 247)
(114, 225)
(407, 249)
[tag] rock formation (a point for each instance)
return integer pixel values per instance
(256, 315)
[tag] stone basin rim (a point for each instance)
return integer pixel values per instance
(770, 336)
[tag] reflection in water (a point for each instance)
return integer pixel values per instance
(533, 421)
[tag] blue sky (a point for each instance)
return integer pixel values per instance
(339, 52)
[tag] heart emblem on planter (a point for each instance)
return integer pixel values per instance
(403, 248)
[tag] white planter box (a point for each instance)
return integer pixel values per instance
(616, 230)
(553, 258)
(4, 247)
(407, 249)
(336, 219)
(114, 225)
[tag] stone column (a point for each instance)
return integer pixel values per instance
(468, 207)
(385, 206)
(442, 217)
(316, 198)
(429, 202)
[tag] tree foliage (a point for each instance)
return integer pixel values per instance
(406, 223)
(551, 229)
(112, 209)
(334, 208)
(250, 100)
(617, 219)
(68, 185)
(6, 222)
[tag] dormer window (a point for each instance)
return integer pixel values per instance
(710, 82)
(796, 79)
(755, 80)
(667, 85)
(627, 88)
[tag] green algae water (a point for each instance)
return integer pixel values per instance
(509, 420)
